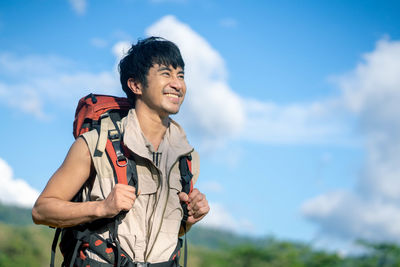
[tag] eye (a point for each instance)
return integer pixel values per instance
(181, 77)
(165, 73)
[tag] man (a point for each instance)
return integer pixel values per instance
(152, 76)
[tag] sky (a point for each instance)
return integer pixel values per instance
(292, 105)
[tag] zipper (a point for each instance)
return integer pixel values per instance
(148, 226)
(165, 206)
(156, 158)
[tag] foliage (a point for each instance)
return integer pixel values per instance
(24, 244)
(274, 254)
(15, 215)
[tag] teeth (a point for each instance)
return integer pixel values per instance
(172, 95)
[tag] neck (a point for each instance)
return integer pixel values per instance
(152, 124)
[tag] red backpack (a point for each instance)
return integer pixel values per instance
(92, 107)
(90, 113)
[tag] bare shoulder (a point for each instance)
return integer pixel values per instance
(72, 174)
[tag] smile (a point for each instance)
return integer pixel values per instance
(172, 95)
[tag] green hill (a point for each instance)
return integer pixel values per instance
(24, 244)
(15, 215)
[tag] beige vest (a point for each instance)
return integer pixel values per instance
(149, 232)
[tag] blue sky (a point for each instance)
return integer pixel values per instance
(291, 104)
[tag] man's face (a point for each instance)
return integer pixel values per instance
(165, 89)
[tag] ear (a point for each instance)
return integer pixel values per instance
(135, 87)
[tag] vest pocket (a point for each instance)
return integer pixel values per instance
(174, 209)
(147, 184)
(175, 180)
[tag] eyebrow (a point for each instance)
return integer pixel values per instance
(162, 68)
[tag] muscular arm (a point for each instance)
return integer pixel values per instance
(54, 206)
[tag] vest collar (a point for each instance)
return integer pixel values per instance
(136, 142)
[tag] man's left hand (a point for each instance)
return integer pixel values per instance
(197, 205)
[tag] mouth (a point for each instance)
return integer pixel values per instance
(174, 98)
(172, 95)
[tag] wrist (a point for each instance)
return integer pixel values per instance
(99, 210)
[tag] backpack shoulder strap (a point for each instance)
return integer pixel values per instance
(185, 167)
(108, 138)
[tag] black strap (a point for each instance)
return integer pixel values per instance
(94, 263)
(91, 263)
(132, 175)
(114, 238)
(185, 258)
(111, 258)
(186, 178)
(54, 246)
(115, 138)
(78, 244)
(186, 175)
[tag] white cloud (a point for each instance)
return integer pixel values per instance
(214, 113)
(15, 191)
(120, 49)
(211, 110)
(46, 80)
(372, 210)
(310, 123)
(349, 216)
(37, 65)
(220, 217)
(374, 80)
(27, 100)
(79, 6)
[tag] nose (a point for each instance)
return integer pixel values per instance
(177, 83)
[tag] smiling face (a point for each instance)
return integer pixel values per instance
(164, 92)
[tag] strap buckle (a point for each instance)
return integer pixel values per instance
(142, 264)
(114, 135)
(115, 138)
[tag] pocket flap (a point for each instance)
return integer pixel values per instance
(147, 185)
(175, 181)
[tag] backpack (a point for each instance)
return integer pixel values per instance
(99, 112)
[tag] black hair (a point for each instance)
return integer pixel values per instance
(142, 56)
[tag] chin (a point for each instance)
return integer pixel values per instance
(174, 112)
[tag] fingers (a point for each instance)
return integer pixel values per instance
(195, 195)
(125, 188)
(125, 191)
(198, 205)
(122, 197)
(183, 197)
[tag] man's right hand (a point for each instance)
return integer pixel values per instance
(54, 206)
(121, 198)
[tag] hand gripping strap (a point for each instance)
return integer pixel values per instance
(185, 167)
